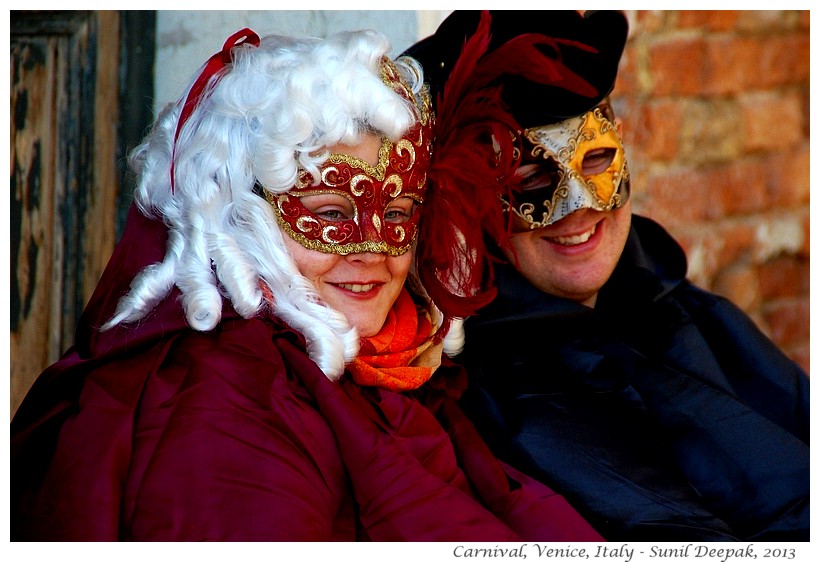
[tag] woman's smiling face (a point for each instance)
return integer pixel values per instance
(362, 286)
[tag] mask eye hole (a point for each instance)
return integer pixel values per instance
(597, 161)
(330, 207)
(400, 210)
(543, 175)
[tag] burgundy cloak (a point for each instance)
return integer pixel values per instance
(157, 432)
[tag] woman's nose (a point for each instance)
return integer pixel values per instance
(366, 258)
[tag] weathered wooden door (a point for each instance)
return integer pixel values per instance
(66, 175)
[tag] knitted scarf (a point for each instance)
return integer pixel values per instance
(402, 356)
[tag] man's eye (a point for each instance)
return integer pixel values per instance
(536, 181)
(597, 161)
(543, 175)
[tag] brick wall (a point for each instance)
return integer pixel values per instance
(715, 110)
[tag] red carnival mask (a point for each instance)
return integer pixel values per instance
(400, 172)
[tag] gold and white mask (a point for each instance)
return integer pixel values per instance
(574, 164)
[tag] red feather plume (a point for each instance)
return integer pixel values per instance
(467, 173)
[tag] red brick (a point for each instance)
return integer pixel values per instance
(677, 197)
(784, 276)
(733, 243)
(730, 63)
(788, 320)
(738, 283)
(654, 129)
(715, 248)
(804, 250)
(691, 195)
(735, 64)
(774, 61)
(788, 177)
(762, 20)
(804, 19)
(648, 21)
(738, 238)
(737, 188)
(676, 66)
(710, 131)
(771, 121)
(627, 82)
(711, 20)
(805, 103)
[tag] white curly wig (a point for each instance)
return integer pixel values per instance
(267, 113)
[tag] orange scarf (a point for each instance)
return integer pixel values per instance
(402, 355)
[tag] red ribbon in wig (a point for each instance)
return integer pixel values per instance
(216, 63)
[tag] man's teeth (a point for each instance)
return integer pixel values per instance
(357, 288)
(574, 240)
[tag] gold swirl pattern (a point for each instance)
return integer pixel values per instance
(403, 146)
(400, 233)
(397, 183)
(400, 171)
(354, 184)
(307, 224)
(327, 231)
(567, 143)
(318, 245)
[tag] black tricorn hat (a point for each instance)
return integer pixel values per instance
(534, 104)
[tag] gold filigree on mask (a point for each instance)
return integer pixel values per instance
(562, 148)
(400, 233)
(376, 172)
(326, 234)
(307, 224)
(354, 184)
(400, 171)
(396, 182)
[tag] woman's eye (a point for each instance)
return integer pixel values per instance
(597, 161)
(400, 211)
(396, 215)
(329, 206)
(331, 214)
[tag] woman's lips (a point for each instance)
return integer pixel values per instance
(357, 287)
(360, 289)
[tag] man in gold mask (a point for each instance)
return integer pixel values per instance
(659, 410)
